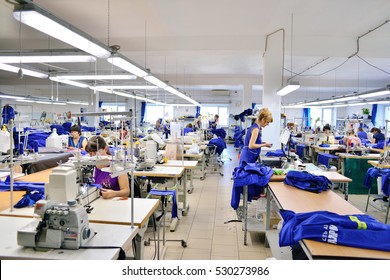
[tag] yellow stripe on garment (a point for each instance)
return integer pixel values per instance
(361, 225)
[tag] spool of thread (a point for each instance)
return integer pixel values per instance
(21, 149)
(35, 146)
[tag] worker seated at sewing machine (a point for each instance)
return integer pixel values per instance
(111, 187)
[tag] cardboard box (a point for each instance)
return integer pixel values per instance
(274, 220)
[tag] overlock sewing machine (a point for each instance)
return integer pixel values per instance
(61, 225)
(63, 219)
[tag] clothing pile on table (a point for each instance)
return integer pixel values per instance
(308, 182)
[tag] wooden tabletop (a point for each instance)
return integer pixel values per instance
(37, 177)
(333, 176)
(187, 164)
(5, 199)
(162, 171)
(369, 156)
(299, 201)
(377, 164)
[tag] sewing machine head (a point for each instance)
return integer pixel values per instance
(60, 226)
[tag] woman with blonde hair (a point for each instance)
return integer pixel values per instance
(253, 142)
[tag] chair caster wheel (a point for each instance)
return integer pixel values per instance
(147, 242)
(201, 178)
(183, 244)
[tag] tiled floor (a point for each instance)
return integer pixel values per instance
(204, 230)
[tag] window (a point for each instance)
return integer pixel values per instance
(155, 112)
(324, 116)
(222, 111)
(112, 107)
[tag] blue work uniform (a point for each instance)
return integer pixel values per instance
(79, 144)
(251, 155)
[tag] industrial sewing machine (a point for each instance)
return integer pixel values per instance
(61, 225)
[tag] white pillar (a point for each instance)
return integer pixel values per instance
(247, 98)
(96, 107)
(272, 81)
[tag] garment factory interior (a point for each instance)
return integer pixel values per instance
(174, 88)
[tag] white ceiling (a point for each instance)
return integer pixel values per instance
(205, 45)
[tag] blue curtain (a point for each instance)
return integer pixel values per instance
(306, 116)
(100, 107)
(373, 114)
(197, 111)
(253, 106)
(143, 110)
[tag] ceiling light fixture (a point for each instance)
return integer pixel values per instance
(125, 64)
(135, 87)
(34, 16)
(97, 77)
(181, 95)
(375, 93)
(69, 82)
(33, 73)
(6, 96)
(45, 58)
(128, 95)
(153, 80)
(77, 103)
(290, 87)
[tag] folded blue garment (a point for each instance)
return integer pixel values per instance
(361, 231)
(308, 182)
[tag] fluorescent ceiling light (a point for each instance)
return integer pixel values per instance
(73, 83)
(77, 103)
(97, 77)
(6, 96)
(124, 87)
(182, 105)
(130, 96)
(153, 80)
(25, 71)
(379, 102)
(181, 95)
(348, 98)
(48, 23)
(53, 58)
(25, 100)
(375, 93)
(127, 65)
(43, 102)
(290, 87)
(333, 106)
(356, 104)
(293, 106)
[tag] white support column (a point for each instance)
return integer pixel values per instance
(272, 81)
(96, 107)
(247, 97)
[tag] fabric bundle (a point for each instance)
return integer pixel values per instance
(254, 175)
(308, 182)
(374, 173)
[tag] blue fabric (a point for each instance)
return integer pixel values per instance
(60, 129)
(143, 110)
(276, 153)
(67, 126)
(379, 136)
(220, 132)
(38, 136)
(253, 106)
(324, 145)
(88, 128)
(187, 130)
(308, 182)
(166, 193)
(324, 158)
(306, 116)
(251, 155)
(381, 144)
(373, 113)
(8, 113)
(29, 199)
(361, 231)
(374, 173)
(300, 150)
(254, 175)
(197, 111)
(238, 137)
(362, 135)
(219, 143)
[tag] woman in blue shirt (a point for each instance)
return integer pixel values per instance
(76, 140)
(378, 135)
(253, 142)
